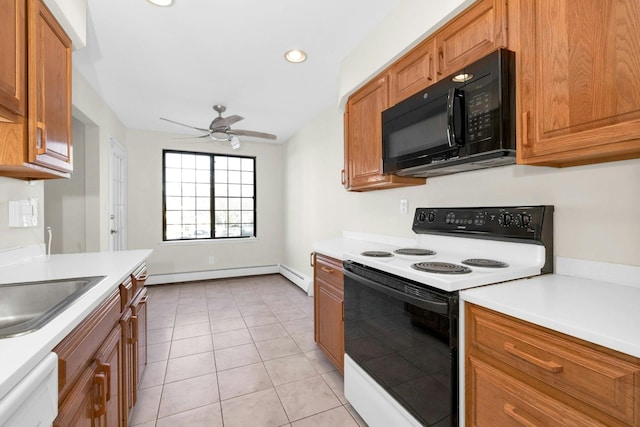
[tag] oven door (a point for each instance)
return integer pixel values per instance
(407, 343)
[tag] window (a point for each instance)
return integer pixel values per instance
(208, 196)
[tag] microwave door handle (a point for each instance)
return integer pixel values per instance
(453, 139)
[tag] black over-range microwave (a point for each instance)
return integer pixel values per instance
(463, 122)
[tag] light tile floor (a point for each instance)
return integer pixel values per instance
(237, 352)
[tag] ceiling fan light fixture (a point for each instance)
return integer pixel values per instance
(234, 142)
(162, 3)
(219, 136)
(295, 56)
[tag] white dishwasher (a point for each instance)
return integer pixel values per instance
(33, 402)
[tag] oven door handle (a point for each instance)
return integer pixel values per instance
(434, 306)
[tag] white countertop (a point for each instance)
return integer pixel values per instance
(20, 354)
(600, 312)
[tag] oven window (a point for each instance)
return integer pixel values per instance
(406, 349)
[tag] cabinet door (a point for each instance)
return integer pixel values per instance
(13, 59)
(471, 35)
(139, 309)
(128, 366)
(49, 90)
(77, 408)
(579, 89)
(363, 140)
(413, 72)
(109, 407)
(330, 322)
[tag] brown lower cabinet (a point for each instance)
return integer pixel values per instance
(100, 362)
(520, 374)
(329, 308)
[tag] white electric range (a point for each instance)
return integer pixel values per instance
(401, 306)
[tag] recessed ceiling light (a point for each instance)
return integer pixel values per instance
(295, 56)
(162, 2)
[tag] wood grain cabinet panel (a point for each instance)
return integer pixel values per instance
(35, 103)
(579, 89)
(501, 400)
(13, 74)
(413, 72)
(547, 371)
(100, 363)
(329, 308)
(363, 140)
(49, 90)
(473, 34)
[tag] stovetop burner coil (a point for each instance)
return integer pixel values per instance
(483, 262)
(414, 251)
(441, 268)
(377, 254)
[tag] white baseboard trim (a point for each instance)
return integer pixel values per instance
(156, 279)
(303, 282)
(299, 279)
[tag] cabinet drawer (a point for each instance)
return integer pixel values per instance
(76, 351)
(583, 372)
(501, 400)
(329, 270)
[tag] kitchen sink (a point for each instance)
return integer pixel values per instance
(26, 307)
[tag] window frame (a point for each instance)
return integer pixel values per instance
(212, 209)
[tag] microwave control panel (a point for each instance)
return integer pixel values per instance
(480, 109)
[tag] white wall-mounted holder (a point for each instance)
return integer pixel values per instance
(23, 213)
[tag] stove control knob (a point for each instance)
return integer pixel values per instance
(523, 220)
(432, 216)
(422, 217)
(505, 219)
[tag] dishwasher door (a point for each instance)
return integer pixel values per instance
(34, 400)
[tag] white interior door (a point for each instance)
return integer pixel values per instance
(117, 197)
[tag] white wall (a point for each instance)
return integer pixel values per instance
(64, 201)
(145, 207)
(101, 124)
(597, 206)
(315, 200)
(408, 24)
(17, 189)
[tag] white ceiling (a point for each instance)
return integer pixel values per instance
(176, 62)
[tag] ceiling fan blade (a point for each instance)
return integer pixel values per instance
(182, 124)
(223, 122)
(252, 133)
(194, 137)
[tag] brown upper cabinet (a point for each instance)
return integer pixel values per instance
(413, 72)
(13, 63)
(473, 34)
(363, 140)
(36, 142)
(579, 94)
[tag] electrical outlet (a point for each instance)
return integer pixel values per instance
(212, 259)
(404, 206)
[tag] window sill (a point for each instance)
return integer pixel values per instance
(209, 241)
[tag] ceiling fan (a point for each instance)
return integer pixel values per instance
(220, 129)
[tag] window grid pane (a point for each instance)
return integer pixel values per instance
(191, 211)
(234, 196)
